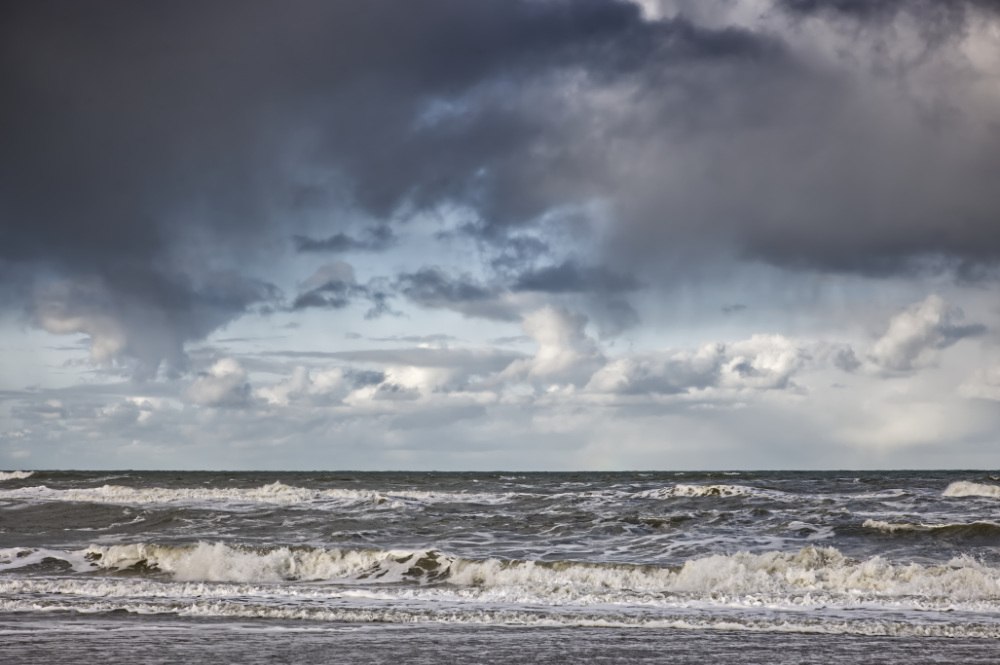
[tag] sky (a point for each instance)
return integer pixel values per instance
(500, 234)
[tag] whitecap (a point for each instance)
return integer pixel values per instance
(962, 529)
(221, 579)
(274, 493)
(961, 488)
(810, 576)
(15, 475)
(701, 491)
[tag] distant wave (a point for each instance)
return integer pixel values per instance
(809, 576)
(15, 475)
(700, 491)
(274, 493)
(967, 530)
(966, 488)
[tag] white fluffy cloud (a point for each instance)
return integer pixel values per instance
(302, 384)
(916, 335)
(763, 362)
(144, 335)
(566, 354)
(667, 373)
(224, 384)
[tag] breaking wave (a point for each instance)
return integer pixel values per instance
(966, 488)
(699, 491)
(15, 475)
(807, 577)
(274, 493)
(970, 530)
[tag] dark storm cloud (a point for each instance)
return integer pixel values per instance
(935, 21)
(570, 277)
(877, 163)
(374, 240)
(955, 333)
(151, 149)
(433, 288)
(867, 9)
(514, 252)
(333, 286)
(136, 137)
(130, 312)
(603, 291)
(338, 295)
(600, 288)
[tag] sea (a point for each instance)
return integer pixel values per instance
(630, 567)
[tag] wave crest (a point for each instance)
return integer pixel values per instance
(274, 493)
(15, 475)
(965, 488)
(967, 530)
(811, 573)
(698, 491)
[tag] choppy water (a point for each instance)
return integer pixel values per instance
(849, 556)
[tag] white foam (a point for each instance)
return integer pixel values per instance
(274, 493)
(699, 491)
(812, 590)
(204, 601)
(884, 494)
(15, 475)
(449, 497)
(809, 576)
(965, 488)
(892, 527)
(20, 557)
(968, 528)
(219, 562)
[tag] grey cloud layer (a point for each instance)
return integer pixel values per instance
(150, 149)
(374, 239)
(570, 395)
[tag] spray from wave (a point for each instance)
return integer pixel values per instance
(809, 576)
(965, 488)
(700, 491)
(15, 475)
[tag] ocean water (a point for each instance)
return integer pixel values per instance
(769, 567)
